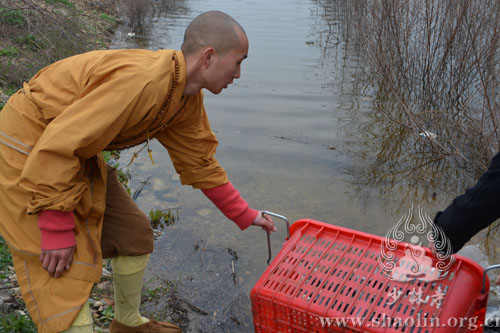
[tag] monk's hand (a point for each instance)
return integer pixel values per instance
(265, 222)
(55, 262)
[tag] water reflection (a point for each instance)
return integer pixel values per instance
(140, 22)
(330, 27)
(399, 163)
(403, 149)
(381, 151)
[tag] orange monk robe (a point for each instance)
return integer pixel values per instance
(51, 134)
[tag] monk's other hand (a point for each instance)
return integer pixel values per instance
(56, 261)
(265, 222)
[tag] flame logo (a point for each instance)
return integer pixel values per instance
(415, 264)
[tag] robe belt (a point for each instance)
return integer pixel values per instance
(15, 144)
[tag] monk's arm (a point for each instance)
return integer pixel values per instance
(191, 145)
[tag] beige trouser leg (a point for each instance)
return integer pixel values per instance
(82, 322)
(128, 273)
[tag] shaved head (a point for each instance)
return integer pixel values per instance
(212, 29)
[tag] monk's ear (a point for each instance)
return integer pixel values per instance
(208, 56)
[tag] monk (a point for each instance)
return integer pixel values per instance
(62, 210)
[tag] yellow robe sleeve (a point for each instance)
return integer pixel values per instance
(191, 145)
(82, 130)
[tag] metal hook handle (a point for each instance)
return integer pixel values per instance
(484, 276)
(269, 234)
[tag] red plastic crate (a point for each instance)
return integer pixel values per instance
(325, 272)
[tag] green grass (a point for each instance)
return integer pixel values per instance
(16, 323)
(161, 219)
(63, 2)
(5, 259)
(155, 294)
(12, 322)
(123, 176)
(10, 90)
(107, 315)
(9, 52)
(107, 17)
(12, 17)
(110, 155)
(31, 41)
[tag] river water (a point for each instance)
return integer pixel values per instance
(296, 137)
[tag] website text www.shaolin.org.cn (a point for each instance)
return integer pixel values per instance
(470, 323)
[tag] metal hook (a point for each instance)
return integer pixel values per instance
(269, 233)
(484, 276)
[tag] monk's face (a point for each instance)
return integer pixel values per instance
(226, 67)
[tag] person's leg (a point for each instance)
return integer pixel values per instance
(128, 273)
(83, 321)
(127, 237)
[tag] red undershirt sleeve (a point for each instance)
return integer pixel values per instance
(227, 198)
(56, 228)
